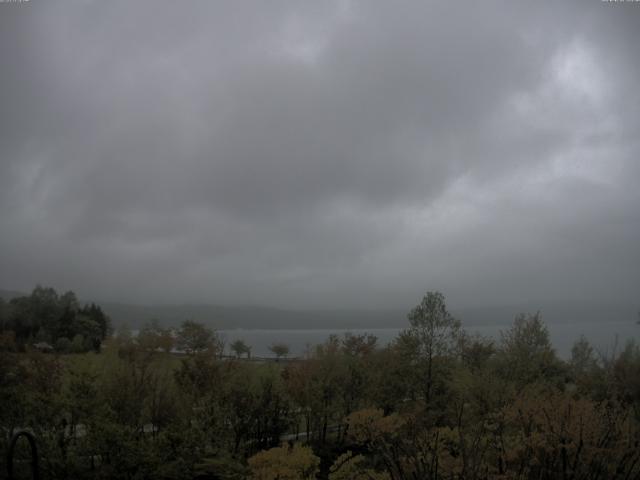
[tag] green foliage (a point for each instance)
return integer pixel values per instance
(280, 350)
(475, 351)
(435, 330)
(239, 347)
(433, 335)
(4, 313)
(193, 337)
(45, 316)
(623, 375)
(63, 345)
(78, 344)
(526, 354)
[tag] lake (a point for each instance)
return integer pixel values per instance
(602, 336)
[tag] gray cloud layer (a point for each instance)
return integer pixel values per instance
(321, 154)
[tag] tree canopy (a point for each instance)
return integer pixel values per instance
(44, 316)
(279, 349)
(436, 403)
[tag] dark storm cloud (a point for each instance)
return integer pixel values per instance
(321, 153)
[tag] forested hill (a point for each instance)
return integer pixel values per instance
(225, 317)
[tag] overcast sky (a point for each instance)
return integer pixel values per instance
(321, 154)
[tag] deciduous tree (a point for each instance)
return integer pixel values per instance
(193, 337)
(435, 332)
(239, 347)
(280, 350)
(295, 462)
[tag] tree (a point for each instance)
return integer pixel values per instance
(240, 348)
(153, 337)
(167, 340)
(273, 413)
(63, 345)
(435, 333)
(124, 334)
(69, 309)
(45, 315)
(624, 373)
(77, 344)
(280, 350)
(405, 452)
(194, 337)
(551, 434)
(356, 372)
(359, 345)
(328, 380)
(583, 358)
(391, 378)
(526, 354)
(46, 306)
(475, 351)
(285, 463)
(97, 315)
(300, 389)
(4, 314)
(8, 341)
(89, 329)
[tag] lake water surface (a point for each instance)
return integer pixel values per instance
(603, 336)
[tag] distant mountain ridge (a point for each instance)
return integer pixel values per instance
(257, 317)
(254, 317)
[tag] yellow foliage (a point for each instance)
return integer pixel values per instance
(370, 425)
(284, 463)
(559, 433)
